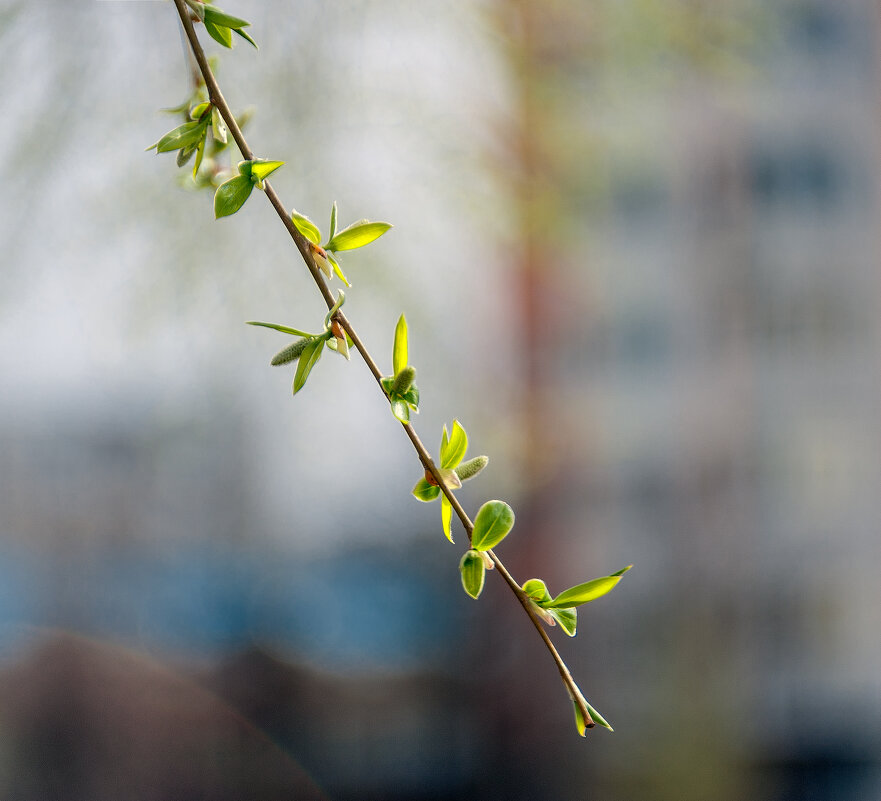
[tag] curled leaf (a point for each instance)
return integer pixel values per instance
(306, 227)
(472, 571)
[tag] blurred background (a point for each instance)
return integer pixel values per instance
(637, 246)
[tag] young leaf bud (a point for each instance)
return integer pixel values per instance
(290, 353)
(472, 467)
(404, 380)
(472, 570)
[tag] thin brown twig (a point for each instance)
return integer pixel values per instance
(219, 102)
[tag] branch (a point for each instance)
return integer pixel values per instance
(219, 102)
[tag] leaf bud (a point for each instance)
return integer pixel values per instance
(472, 467)
(291, 352)
(404, 380)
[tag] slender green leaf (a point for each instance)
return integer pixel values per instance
(306, 227)
(473, 572)
(425, 492)
(184, 135)
(583, 593)
(244, 34)
(218, 17)
(493, 522)
(357, 235)
(231, 196)
(597, 717)
(263, 168)
(200, 152)
(580, 723)
(446, 517)
(332, 221)
(337, 269)
(219, 33)
(283, 328)
(399, 352)
(622, 571)
(308, 359)
(445, 440)
(455, 449)
(567, 618)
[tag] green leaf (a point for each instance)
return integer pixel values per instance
(198, 110)
(425, 492)
(336, 268)
(399, 351)
(537, 590)
(622, 571)
(357, 235)
(283, 328)
(567, 619)
(580, 722)
(452, 453)
(400, 409)
(218, 17)
(583, 593)
(493, 522)
(263, 168)
(332, 221)
(446, 517)
(473, 572)
(200, 152)
(306, 227)
(412, 398)
(387, 382)
(597, 717)
(308, 359)
(219, 33)
(244, 34)
(231, 196)
(187, 134)
(245, 167)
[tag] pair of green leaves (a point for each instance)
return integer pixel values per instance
(356, 235)
(232, 194)
(220, 25)
(493, 523)
(453, 471)
(402, 393)
(307, 350)
(562, 608)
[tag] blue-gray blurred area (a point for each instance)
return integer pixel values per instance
(637, 246)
